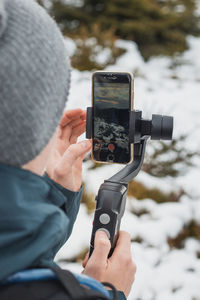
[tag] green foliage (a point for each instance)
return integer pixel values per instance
(140, 192)
(169, 159)
(76, 258)
(88, 200)
(192, 229)
(139, 211)
(158, 27)
(137, 239)
(90, 44)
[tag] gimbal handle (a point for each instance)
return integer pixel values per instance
(111, 198)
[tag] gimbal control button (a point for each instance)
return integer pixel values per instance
(104, 219)
(106, 231)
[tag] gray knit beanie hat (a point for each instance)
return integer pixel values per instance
(34, 80)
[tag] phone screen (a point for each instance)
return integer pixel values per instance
(112, 104)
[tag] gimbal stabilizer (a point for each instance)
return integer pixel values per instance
(111, 198)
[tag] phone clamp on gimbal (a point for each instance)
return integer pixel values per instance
(111, 198)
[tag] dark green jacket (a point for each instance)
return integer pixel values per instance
(36, 218)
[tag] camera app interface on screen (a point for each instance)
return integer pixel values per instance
(111, 121)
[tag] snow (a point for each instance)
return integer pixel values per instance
(70, 46)
(164, 86)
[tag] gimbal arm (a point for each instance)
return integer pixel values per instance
(130, 171)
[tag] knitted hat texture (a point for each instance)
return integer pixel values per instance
(34, 80)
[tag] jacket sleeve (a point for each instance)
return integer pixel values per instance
(120, 295)
(71, 208)
(72, 203)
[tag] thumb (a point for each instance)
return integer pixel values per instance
(101, 248)
(75, 151)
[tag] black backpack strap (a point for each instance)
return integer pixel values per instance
(73, 287)
(113, 289)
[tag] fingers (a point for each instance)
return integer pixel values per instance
(77, 131)
(84, 115)
(70, 115)
(74, 152)
(119, 271)
(123, 246)
(78, 163)
(73, 129)
(101, 250)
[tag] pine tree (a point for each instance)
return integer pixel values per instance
(157, 26)
(177, 162)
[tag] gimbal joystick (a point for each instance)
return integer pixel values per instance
(111, 198)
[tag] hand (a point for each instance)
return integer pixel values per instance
(119, 269)
(65, 162)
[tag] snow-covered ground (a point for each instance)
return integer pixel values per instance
(170, 87)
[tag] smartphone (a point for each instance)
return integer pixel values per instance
(112, 100)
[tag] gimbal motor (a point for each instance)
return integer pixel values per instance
(159, 128)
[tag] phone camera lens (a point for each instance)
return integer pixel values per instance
(110, 158)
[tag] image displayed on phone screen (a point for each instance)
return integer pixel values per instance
(112, 104)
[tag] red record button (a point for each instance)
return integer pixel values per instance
(111, 147)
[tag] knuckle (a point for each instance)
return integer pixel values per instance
(129, 261)
(134, 267)
(58, 172)
(126, 261)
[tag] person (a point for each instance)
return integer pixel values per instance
(40, 156)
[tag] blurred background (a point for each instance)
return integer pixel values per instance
(159, 42)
